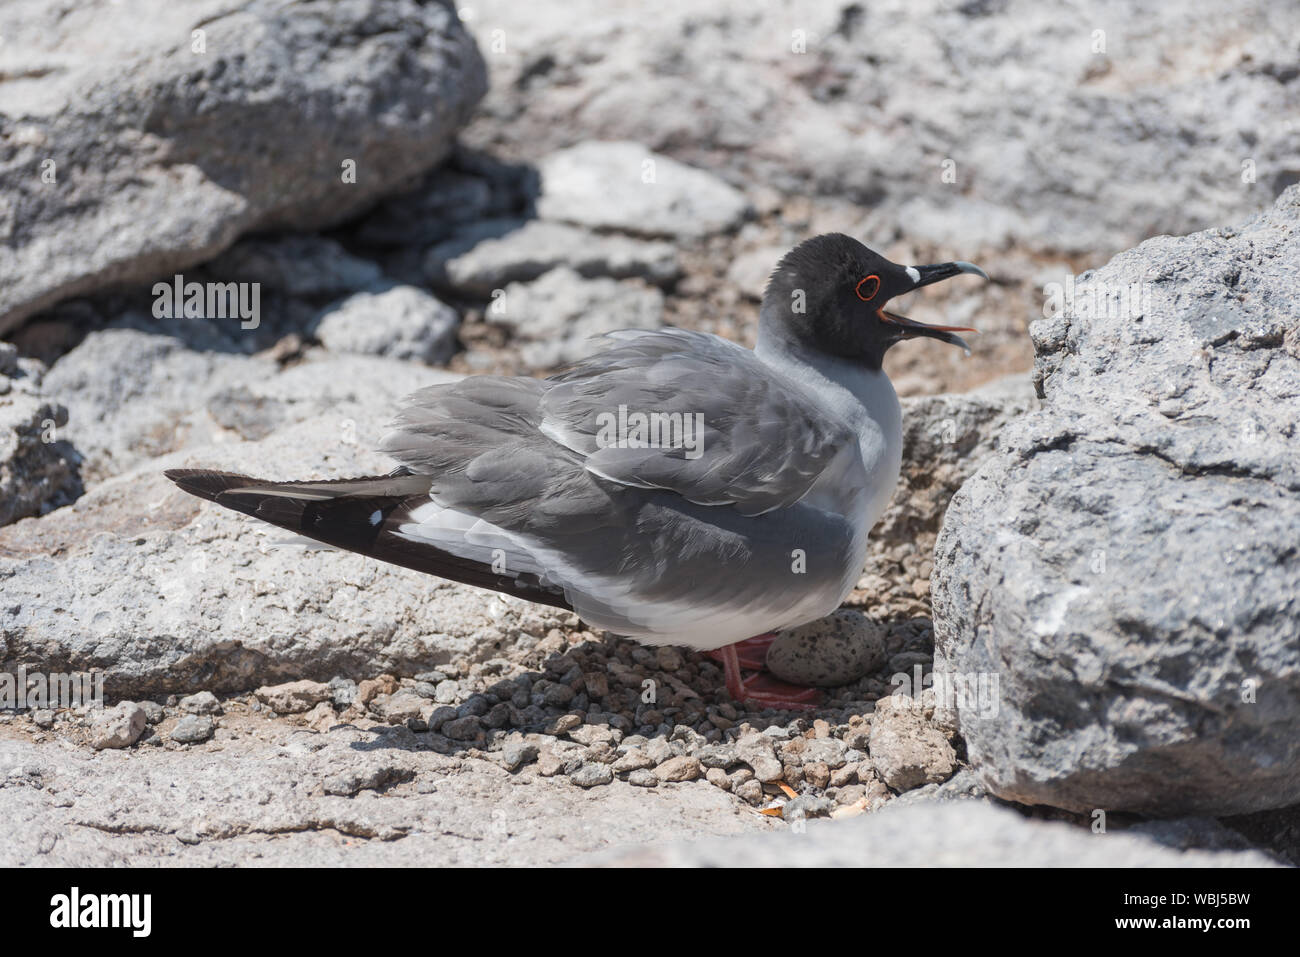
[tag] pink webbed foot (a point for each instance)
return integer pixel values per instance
(761, 689)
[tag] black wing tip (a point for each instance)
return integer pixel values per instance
(207, 483)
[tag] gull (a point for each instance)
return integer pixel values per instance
(675, 488)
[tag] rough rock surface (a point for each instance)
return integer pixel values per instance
(907, 747)
(994, 138)
(956, 834)
(165, 592)
(139, 391)
(39, 469)
(282, 795)
(557, 318)
(243, 125)
(300, 265)
(1126, 563)
(524, 250)
(118, 727)
(401, 322)
(623, 185)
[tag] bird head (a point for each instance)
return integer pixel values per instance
(831, 292)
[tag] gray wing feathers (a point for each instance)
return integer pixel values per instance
(478, 441)
(755, 440)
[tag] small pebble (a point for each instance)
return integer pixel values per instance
(204, 702)
(592, 775)
(643, 778)
(684, 768)
(750, 792)
(518, 753)
(718, 778)
(193, 729)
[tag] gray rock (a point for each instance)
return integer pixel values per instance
(118, 727)
(256, 798)
(297, 265)
(43, 718)
(1157, 100)
(634, 759)
(962, 786)
(39, 470)
(204, 702)
(757, 751)
(591, 775)
(555, 318)
(518, 753)
(833, 651)
(294, 697)
(906, 747)
(133, 394)
(447, 199)
(471, 188)
(398, 708)
(154, 713)
(750, 270)
(643, 778)
(401, 322)
(467, 728)
(682, 768)
(719, 756)
(478, 266)
(354, 780)
(345, 691)
(806, 806)
(827, 751)
(1125, 565)
(624, 186)
(136, 393)
(164, 152)
(193, 729)
(955, 834)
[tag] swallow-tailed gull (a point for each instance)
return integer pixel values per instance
(676, 488)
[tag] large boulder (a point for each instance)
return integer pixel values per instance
(1126, 564)
(141, 138)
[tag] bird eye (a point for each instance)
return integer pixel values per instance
(868, 287)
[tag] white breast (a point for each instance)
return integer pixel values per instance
(865, 399)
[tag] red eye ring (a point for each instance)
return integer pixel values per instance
(874, 287)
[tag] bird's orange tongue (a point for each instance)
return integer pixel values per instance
(912, 329)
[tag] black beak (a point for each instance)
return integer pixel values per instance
(924, 276)
(941, 271)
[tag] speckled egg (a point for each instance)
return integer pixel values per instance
(829, 652)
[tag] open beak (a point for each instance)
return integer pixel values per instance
(924, 276)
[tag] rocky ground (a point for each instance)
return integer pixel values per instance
(525, 177)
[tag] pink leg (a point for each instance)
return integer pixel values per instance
(760, 689)
(751, 653)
